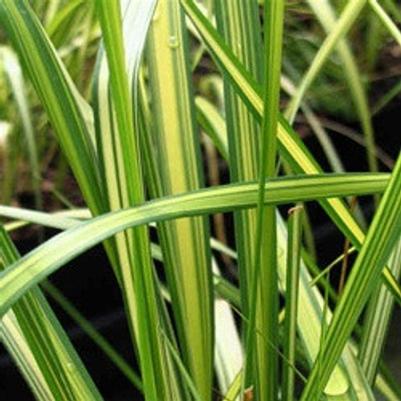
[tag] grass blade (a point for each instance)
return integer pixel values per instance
(181, 367)
(376, 322)
(43, 345)
(386, 20)
(184, 242)
(320, 132)
(309, 316)
(16, 345)
(291, 303)
(265, 238)
(325, 13)
(140, 294)
(51, 255)
(344, 23)
(212, 123)
(381, 238)
(243, 132)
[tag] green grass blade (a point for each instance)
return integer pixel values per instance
(49, 10)
(375, 36)
(386, 20)
(386, 98)
(381, 238)
(265, 238)
(69, 218)
(376, 323)
(137, 274)
(16, 345)
(48, 257)
(243, 132)
(116, 177)
(309, 317)
(325, 13)
(212, 123)
(344, 23)
(9, 151)
(291, 303)
(42, 218)
(319, 130)
(235, 387)
(182, 369)
(59, 21)
(184, 242)
(41, 334)
(121, 98)
(387, 385)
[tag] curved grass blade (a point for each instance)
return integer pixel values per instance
(69, 218)
(58, 250)
(386, 20)
(114, 175)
